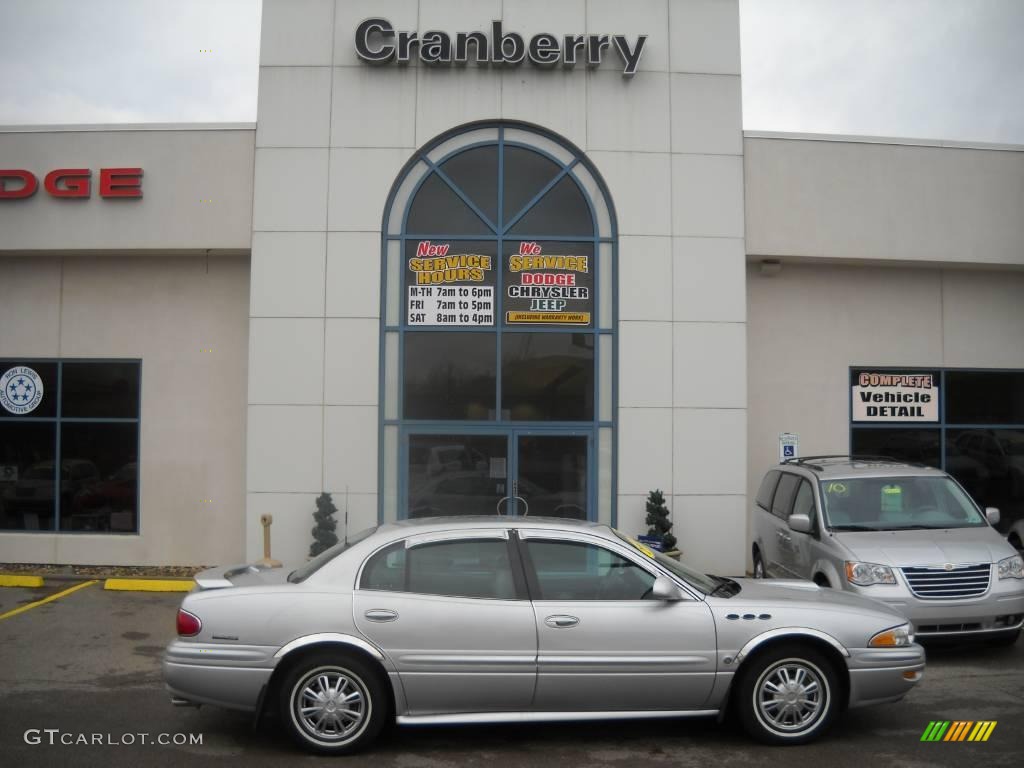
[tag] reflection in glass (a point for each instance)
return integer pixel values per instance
(989, 463)
(985, 397)
(526, 174)
(553, 475)
(562, 211)
(100, 390)
(547, 376)
(457, 474)
(475, 172)
(449, 375)
(99, 481)
(27, 476)
(914, 445)
(437, 209)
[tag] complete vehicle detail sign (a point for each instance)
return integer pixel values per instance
(894, 395)
(377, 42)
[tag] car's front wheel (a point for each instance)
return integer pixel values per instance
(333, 705)
(787, 695)
(759, 572)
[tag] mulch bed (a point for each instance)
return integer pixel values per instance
(105, 571)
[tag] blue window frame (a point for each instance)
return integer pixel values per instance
(69, 445)
(978, 436)
(480, 196)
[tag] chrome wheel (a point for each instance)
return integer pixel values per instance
(790, 696)
(330, 705)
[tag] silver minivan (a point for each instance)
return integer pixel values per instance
(905, 534)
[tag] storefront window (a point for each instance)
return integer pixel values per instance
(969, 423)
(502, 319)
(69, 437)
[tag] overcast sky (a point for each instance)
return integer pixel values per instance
(940, 69)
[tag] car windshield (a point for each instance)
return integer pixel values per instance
(318, 562)
(706, 583)
(897, 503)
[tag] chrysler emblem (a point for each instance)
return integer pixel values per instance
(948, 566)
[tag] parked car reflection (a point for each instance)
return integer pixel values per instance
(476, 493)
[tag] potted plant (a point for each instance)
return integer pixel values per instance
(324, 536)
(658, 535)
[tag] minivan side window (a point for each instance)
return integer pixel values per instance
(804, 502)
(764, 493)
(783, 501)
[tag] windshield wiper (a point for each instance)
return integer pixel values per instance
(919, 528)
(853, 528)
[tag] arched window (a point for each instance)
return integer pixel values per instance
(498, 330)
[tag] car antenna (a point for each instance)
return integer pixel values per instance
(346, 516)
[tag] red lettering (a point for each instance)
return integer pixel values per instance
(121, 182)
(426, 248)
(75, 182)
(535, 278)
(28, 188)
(529, 249)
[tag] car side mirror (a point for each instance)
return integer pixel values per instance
(666, 589)
(800, 523)
(992, 514)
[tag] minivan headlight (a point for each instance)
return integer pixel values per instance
(1011, 567)
(897, 637)
(866, 574)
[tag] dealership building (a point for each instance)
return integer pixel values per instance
(489, 257)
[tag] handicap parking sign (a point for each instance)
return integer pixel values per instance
(789, 446)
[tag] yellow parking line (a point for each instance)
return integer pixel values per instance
(149, 585)
(12, 580)
(45, 600)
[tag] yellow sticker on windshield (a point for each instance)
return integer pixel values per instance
(839, 489)
(641, 547)
(892, 498)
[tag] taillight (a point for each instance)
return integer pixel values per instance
(188, 625)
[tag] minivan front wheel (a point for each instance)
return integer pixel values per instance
(787, 696)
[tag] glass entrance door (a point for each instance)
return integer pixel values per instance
(520, 472)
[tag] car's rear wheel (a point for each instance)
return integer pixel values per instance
(787, 695)
(333, 705)
(759, 572)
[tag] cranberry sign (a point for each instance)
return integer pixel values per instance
(116, 183)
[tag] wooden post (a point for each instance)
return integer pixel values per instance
(265, 521)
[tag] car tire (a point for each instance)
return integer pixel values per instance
(311, 698)
(759, 571)
(787, 695)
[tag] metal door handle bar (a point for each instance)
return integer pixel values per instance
(381, 614)
(559, 622)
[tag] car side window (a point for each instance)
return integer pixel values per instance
(783, 501)
(767, 489)
(569, 570)
(803, 504)
(462, 568)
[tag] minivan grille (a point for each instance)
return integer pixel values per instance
(937, 583)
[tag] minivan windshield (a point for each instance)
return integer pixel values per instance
(897, 504)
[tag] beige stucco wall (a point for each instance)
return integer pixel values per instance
(196, 189)
(166, 311)
(810, 323)
(896, 201)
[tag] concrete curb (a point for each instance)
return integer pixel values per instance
(18, 580)
(149, 585)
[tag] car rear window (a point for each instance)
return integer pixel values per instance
(318, 562)
(767, 490)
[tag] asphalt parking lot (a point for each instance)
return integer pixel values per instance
(89, 663)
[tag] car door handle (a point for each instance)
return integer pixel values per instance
(559, 622)
(381, 614)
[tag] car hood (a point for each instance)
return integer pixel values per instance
(807, 593)
(938, 547)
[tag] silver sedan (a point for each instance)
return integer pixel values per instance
(487, 620)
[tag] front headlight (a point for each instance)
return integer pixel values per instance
(1011, 567)
(897, 637)
(866, 574)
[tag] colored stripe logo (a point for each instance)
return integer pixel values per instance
(958, 730)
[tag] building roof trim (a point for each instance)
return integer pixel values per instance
(101, 127)
(835, 137)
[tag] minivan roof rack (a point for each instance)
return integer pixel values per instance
(810, 461)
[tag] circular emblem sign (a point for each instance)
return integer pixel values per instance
(21, 390)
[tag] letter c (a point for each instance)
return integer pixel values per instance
(383, 54)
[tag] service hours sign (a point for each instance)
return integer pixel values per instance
(450, 284)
